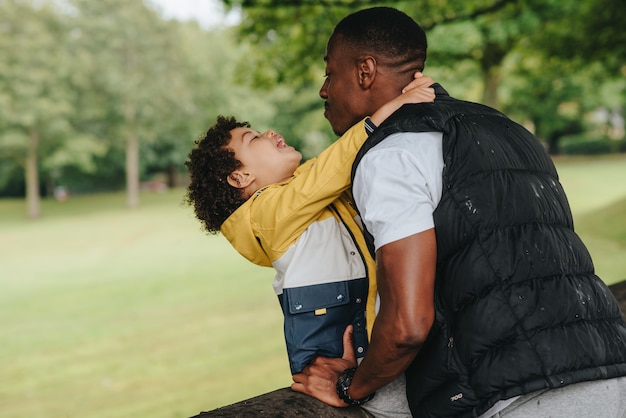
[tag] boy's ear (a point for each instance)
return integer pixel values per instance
(240, 179)
(367, 71)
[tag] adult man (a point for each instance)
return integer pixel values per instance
(488, 300)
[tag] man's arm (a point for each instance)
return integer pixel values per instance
(405, 276)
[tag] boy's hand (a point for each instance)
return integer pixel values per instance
(417, 91)
(422, 84)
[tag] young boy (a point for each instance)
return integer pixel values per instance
(298, 219)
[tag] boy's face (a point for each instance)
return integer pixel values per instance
(265, 156)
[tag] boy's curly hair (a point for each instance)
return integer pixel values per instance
(210, 163)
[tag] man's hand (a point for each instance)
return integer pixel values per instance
(319, 379)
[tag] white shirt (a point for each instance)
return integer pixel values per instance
(398, 185)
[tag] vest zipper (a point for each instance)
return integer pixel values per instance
(450, 351)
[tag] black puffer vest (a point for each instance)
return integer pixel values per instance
(518, 306)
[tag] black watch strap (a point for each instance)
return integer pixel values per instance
(343, 384)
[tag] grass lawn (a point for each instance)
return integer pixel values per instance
(109, 312)
(106, 312)
(596, 189)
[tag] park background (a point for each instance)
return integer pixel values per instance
(113, 301)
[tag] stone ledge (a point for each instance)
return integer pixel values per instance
(284, 403)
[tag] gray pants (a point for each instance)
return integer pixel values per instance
(597, 399)
(390, 401)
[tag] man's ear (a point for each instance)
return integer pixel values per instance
(367, 71)
(240, 179)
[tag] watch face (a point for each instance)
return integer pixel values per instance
(343, 384)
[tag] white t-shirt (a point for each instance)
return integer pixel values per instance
(398, 184)
(397, 187)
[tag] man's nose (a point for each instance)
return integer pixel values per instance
(324, 90)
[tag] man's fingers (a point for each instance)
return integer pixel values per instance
(298, 387)
(319, 378)
(299, 382)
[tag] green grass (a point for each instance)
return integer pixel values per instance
(107, 312)
(596, 189)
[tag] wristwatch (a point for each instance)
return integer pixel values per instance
(343, 384)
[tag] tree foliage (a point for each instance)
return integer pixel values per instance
(136, 57)
(589, 31)
(103, 94)
(290, 35)
(499, 52)
(99, 95)
(35, 101)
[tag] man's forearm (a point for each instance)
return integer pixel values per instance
(405, 272)
(384, 362)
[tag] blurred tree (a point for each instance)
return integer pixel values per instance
(469, 41)
(569, 68)
(142, 94)
(588, 31)
(291, 36)
(157, 82)
(133, 59)
(36, 101)
(539, 96)
(205, 62)
(83, 83)
(472, 44)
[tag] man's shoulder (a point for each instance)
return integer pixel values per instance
(408, 141)
(407, 149)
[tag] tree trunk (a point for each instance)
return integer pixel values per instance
(553, 144)
(132, 155)
(132, 171)
(33, 200)
(172, 176)
(491, 65)
(491, 81)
